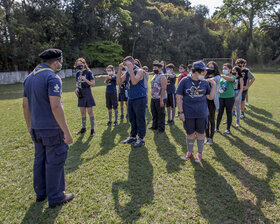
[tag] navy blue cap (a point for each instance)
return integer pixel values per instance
(51, 54)
(199, 65)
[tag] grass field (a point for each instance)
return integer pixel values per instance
(237, 182)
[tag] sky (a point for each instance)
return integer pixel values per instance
(211, 4)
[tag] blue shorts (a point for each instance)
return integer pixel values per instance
(112, 101)
(87, 100)
(192, 125)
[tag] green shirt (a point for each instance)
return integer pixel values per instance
(226, 88)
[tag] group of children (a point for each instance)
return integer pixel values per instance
(204, 91)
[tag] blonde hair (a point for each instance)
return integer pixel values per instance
(83, 61)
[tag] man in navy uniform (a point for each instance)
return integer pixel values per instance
(44, 116)
(134, 76)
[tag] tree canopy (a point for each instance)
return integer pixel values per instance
(104, 31)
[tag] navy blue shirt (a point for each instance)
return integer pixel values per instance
(171, 84)
(111, 84)
(38, 86)
(194, 97)
(136, 91)
(123, 87)
(89, 76)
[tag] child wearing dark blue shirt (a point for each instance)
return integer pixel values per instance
(171, 98)
(111, 93)
(84, 82)
(192, 95)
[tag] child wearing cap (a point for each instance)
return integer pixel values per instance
(192, 94)
(111, 93)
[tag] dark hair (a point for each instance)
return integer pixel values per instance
(183, 66)
(189, 66)
(216, 67)
(228, 65)
(240, 61)
(197, 70)
(145, 67)
(129, 58)
(170, 66)
(238, 69)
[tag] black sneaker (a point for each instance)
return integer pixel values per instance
(122, 117)
(40, 199)
(171, 122)
(168, 122)
(67, 198)
(109, 123)
(116, 123)
(130, 140)
(242, 115)
(83, 130)
(152, 128)
(140, 142)
(217, 130)
(92, 133)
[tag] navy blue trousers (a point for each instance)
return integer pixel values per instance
(48, 169)
(137, 117)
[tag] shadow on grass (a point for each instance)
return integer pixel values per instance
(216, 198)
(74, 153)
(167, 151)
(138, 187)
(259, 126)
(260, 188)
(107, 141)
(35, 214)
(260, 140)
(264, 119)
(258, 110)
(179, 136)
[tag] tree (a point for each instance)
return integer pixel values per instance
(103, 53)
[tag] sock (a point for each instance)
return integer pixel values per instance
(92, 122)
(168, 113)
(190, 143)
(110, 116)
(116, 115)
(84, 121)
(200, 144)
(173, 113)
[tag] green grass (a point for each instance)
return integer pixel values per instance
(238, 181)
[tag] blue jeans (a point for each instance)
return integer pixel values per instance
(48, 169)
(137, 117)
(238, 106)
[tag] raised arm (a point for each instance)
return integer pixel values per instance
(120, 78)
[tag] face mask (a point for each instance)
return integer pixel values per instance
(80, 67)
(168, 72)
(58, 69)
(234, 73)
(156, 72)
(210, 71)
(126, 68)
(225, 71)
(110, 73)
(181, 71)
(200, 77)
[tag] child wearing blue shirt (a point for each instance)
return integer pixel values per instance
(111, 93)
(192, 94)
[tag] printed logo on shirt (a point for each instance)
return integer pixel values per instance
(193, 93)
(56, 88)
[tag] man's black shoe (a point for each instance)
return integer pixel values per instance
(83, 130)
(130, 140)
(152, 128)
(67, 198)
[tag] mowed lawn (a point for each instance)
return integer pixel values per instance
(237, 182)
